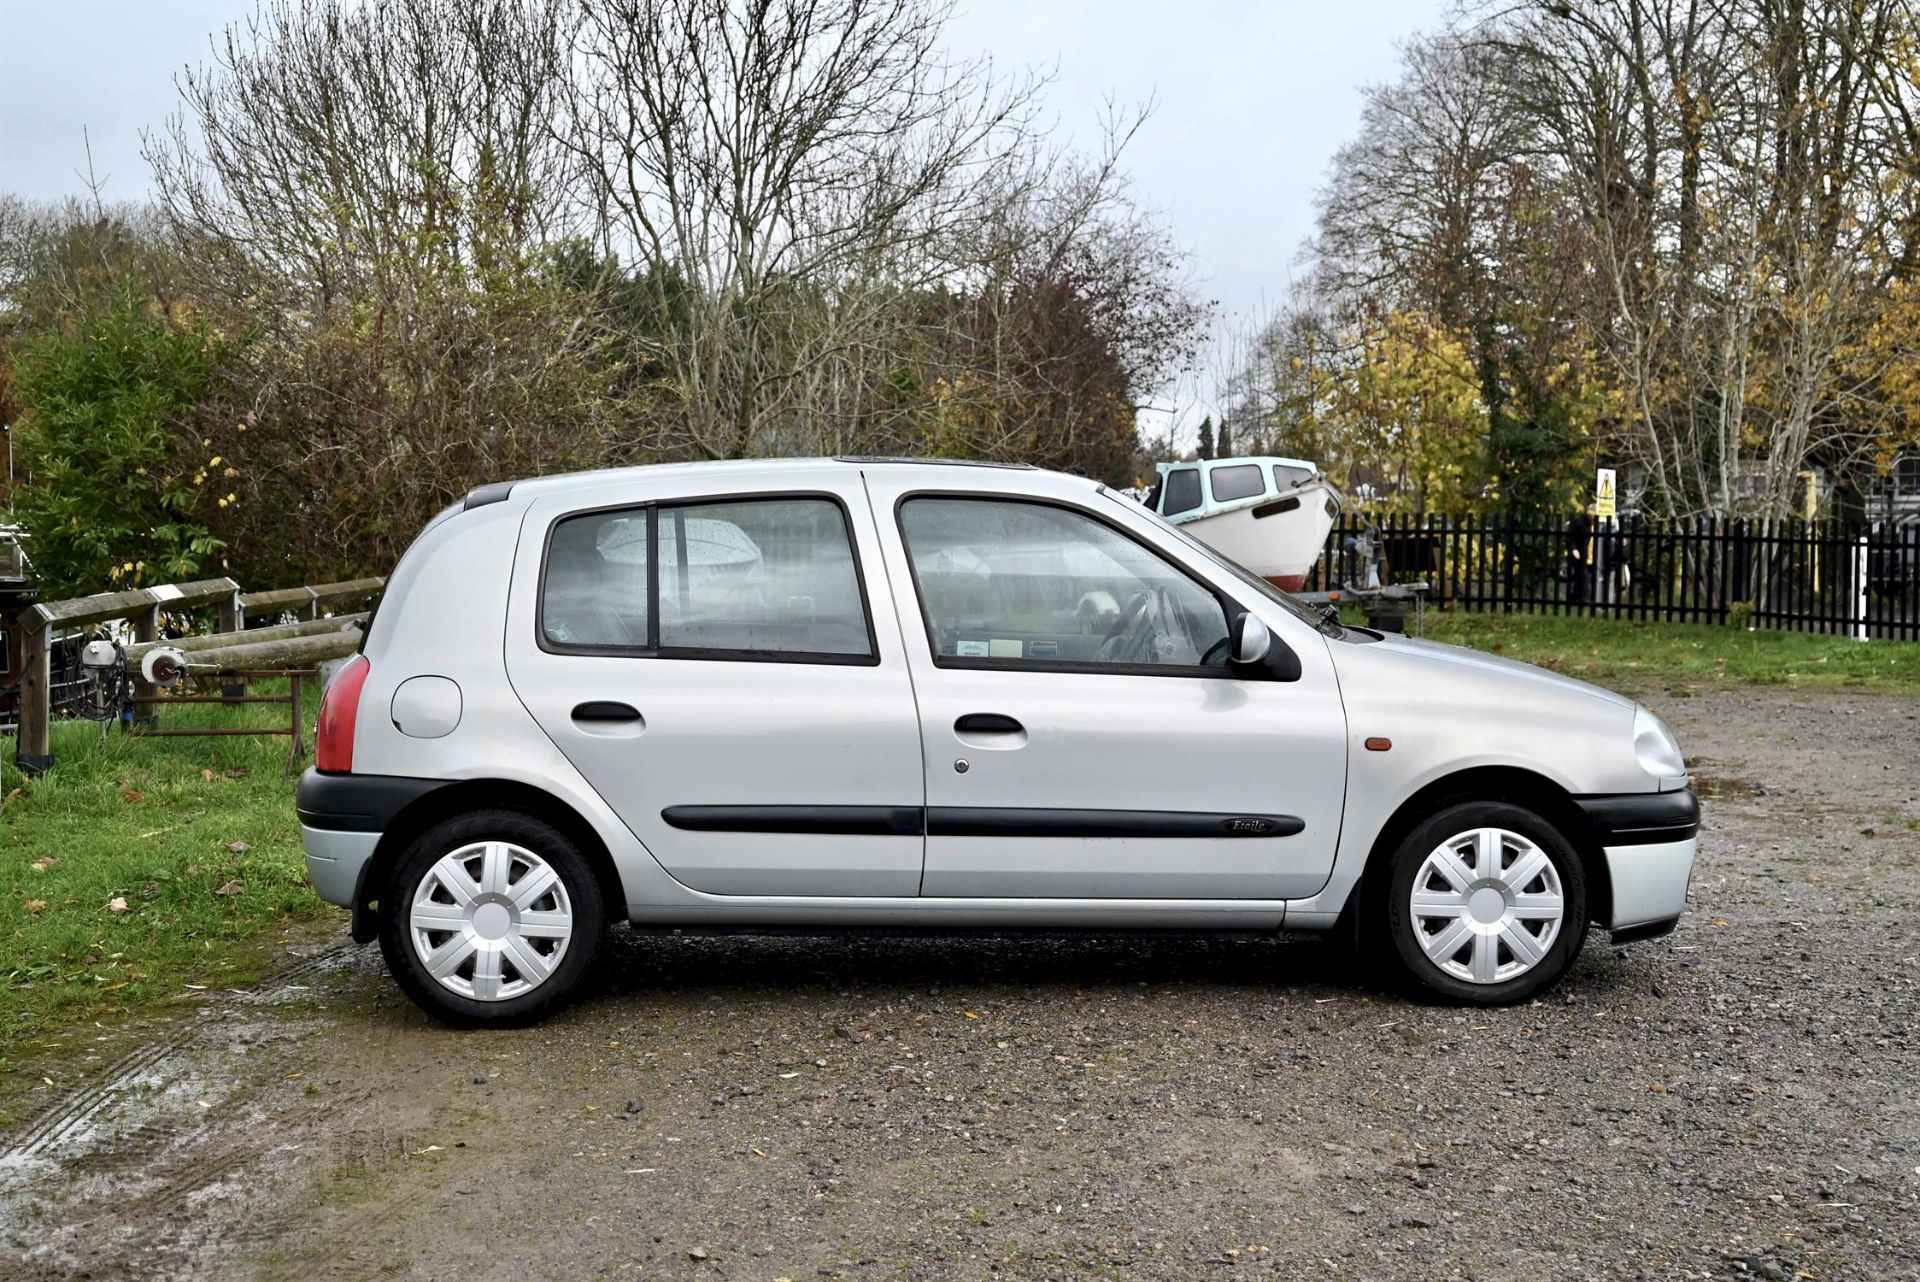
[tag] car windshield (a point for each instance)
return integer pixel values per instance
(1320, 619)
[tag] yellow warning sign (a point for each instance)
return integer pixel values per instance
(1603, 492)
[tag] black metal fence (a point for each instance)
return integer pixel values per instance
(1810, 576)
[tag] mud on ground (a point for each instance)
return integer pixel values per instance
(1735, 1101)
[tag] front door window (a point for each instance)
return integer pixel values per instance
(1029, 585)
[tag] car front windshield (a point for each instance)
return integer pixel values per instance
(1320, 619)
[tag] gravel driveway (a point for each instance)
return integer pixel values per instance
(1737, 1100)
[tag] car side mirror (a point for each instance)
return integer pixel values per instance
(1251, 640)
(1255, 647)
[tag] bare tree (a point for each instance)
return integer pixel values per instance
(775, 161)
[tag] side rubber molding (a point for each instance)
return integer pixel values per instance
(858, 821)
(990, 821)
(1642, 818)
(977, 821)
(356, 803)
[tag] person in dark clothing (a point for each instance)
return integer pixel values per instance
(1579, 570)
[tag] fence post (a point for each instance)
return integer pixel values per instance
(299, 750)
(1860, 588)
(146, 629)
(32, 753)
(232, 616)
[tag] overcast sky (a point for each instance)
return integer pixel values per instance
(1252, 99)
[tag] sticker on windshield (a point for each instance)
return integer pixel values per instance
(1043, 649)
(1003, 649)
(971, 649)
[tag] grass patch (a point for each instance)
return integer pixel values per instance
(138, 866)
(1678, 656)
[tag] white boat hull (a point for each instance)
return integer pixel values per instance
(1279, 539)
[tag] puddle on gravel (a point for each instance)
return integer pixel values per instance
(164, 1150)
(1710, 784)
(1727, 788)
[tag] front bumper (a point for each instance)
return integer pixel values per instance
(1649, 841)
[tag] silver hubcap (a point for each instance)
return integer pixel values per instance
(490, 921)
(1487, 905)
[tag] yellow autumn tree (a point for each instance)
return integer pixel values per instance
(1405, 418)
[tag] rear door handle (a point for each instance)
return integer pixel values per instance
(987, 723)
(605, 710)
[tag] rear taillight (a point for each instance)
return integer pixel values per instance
(339, 709)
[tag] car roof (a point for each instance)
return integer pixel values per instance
(956, 472)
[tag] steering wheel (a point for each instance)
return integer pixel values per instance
(1125, 618)
(1119, 643)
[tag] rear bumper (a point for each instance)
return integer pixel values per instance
(337, 861)
(1649, 841)
(342, 818)
(357, 803)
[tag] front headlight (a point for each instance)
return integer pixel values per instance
(1655, 747)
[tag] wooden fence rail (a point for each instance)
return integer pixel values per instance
(230, 647)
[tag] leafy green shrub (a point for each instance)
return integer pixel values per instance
(107, 439)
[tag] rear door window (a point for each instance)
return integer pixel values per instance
(772, 578)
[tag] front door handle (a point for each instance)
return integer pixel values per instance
(987, 723)
(601, 710)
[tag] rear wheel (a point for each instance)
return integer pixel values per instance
(1485, 903)
(490, 919)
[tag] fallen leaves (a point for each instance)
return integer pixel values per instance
(12, 797)
(36, 906)
(132, 796)
(118, 905)
(231, 889)
(43, 863)
(238, 847)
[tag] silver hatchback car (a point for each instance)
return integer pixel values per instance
(846, 693)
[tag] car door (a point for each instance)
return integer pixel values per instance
(1084, 737)
(720, 670)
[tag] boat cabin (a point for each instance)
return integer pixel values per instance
(1189, 491)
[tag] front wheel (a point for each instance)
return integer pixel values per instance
(1486, 903)
(490, 919)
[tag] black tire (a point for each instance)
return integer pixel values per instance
(1397, 933)
(582, 893)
